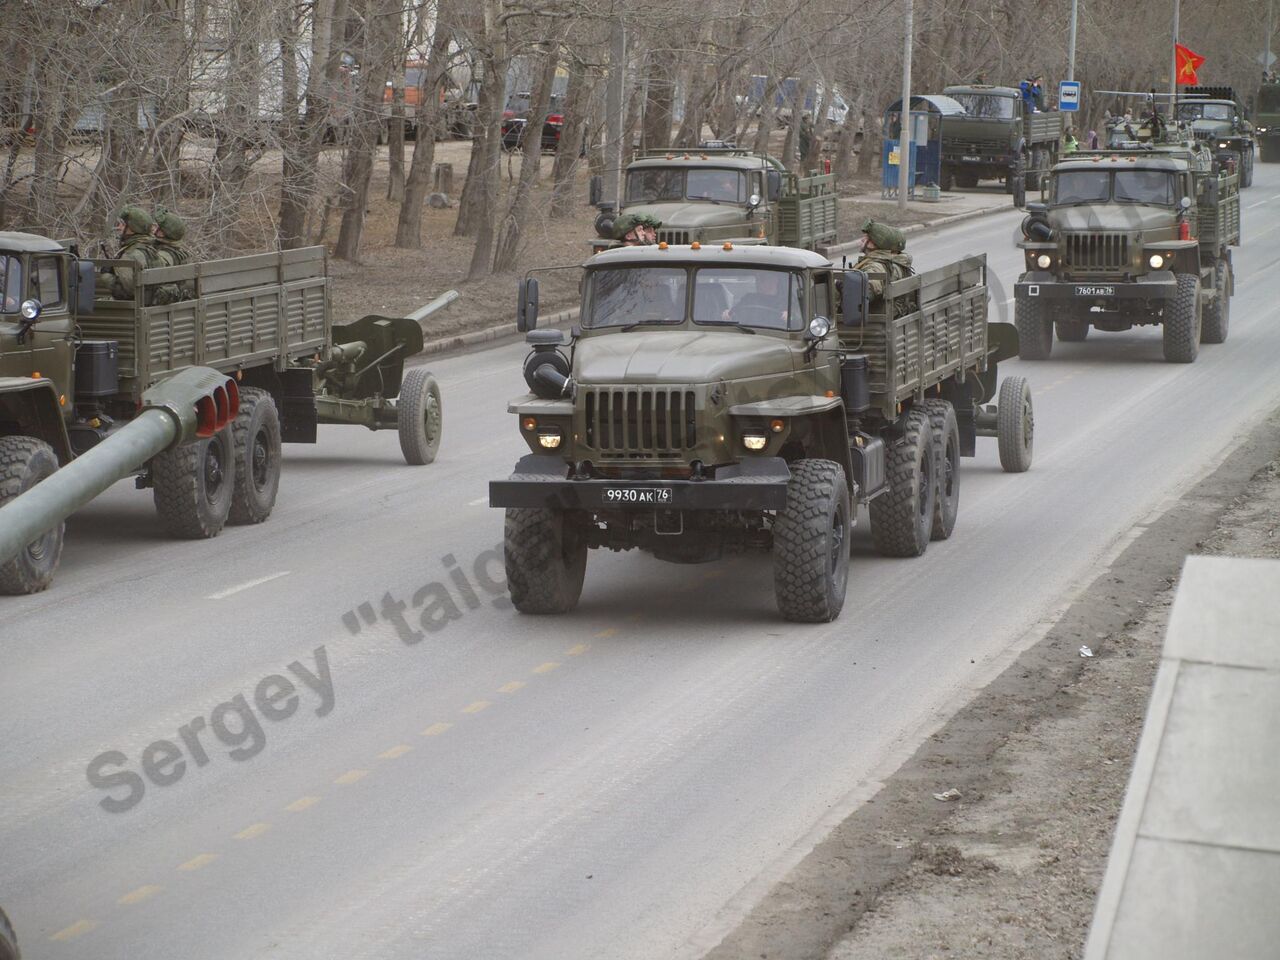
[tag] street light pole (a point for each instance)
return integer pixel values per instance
(904, 140)
(1071, 55)
(1173, 70)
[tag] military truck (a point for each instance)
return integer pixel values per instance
(8, 940)
(1129, 237)
(1266, 121)
(713, 194)
(718, 399)
(1217, 118)
(998, 137)
(74, 370)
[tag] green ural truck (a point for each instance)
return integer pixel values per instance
(713, 194)
(1217, 119)
(722, 399)
(997, 138)
(1266, 119)
(1131, 236)
(75, 369)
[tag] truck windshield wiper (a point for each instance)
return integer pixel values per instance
(725, 323)
(637, 323)
(708, 199)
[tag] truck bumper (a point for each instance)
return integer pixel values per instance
(1157, 285)
(542, 481)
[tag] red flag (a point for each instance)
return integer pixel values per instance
(1188, 63)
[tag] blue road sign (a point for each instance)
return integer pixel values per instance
(1069, 95)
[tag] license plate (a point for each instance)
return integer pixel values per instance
(971, 159)
(637, 496)
(1106, 291)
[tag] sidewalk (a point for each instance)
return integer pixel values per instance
(1195, 864)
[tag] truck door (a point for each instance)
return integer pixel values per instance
(51, 338)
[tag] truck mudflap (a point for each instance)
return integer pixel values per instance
(543, 481)
(1157, 285)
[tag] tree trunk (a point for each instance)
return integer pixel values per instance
(568, 150)
(409, 226)
(490, 110)
(520, 211)
(395, 141)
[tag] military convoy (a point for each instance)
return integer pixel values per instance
(1140, 234)
(75, 370)
(714, 194)
(998, 137)
(1217, 119)
(723, 398)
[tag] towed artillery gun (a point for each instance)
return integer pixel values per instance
(76, 373)
(723, 399)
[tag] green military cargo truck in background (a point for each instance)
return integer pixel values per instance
(1217, 119)
(713, 194)
(1266, 122)
(75, 370)
(729, 398)
(998, 137)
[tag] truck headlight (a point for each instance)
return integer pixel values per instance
(1156, 261)
(755, 441)
(1044, 261)
(1222, 146)
(549, 439)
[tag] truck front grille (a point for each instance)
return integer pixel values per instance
(673, 236)
(1097, 251)
(639, 422)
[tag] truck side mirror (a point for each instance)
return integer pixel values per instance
(86, 278)
(855, 299)
(773, 180)
(527, 306)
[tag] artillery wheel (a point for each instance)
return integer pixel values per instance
(1015, 425)
(1216, 319)
(946, 444)
(811, 543)
(546, 558)
(24, 462)
(1182, 321)
(902, 516)
(419, 417)
(8, 940)
(1035, 330)
(194, 484)
(256, 433)
(1072, 331)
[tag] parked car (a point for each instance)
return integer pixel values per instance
(516, 117)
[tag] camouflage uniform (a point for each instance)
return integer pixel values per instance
(138, 247)
(171, 253)
(886, 262)
(629, 221)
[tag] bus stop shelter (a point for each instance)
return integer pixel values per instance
(924, 166)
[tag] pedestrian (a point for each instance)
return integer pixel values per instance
(1037, 93)
(805, 138)
(133, 230)
(167, 232)
(1092, 140)
(1069, 142)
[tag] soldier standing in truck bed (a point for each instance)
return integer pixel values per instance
(167, 233)
(883, 259)
(133, 228)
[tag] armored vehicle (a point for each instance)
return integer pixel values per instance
(723, 193)
(1217, 119)
(75, 370)
(998, 137)
(1137, 236)
(1266, 120)
(722, 399)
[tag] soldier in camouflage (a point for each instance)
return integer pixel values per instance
(883, 260)
(636, 229)
(133, 228)
(167, 233)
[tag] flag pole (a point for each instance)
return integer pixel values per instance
(1173, 72)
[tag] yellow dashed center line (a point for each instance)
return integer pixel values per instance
(577, 651)
(302, 803)
(351, 776)
(137, 896)
(73, 931)
(195, 863)
(511, 687)
(477, 706)
(436, 729)
(257, 830)
(397, 751)
(607, 633)
(545, 667)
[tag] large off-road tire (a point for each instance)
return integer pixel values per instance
(967, 180)
(1015, 425)
(946, 444)
(8, 940)
(1246, 169)
(1182, 321)
(811, 543)
(1072, 331)
(1216, 320)
(24, 462)
(902, 516)
(947, 178)
(255, 433)
(546, 558)
(419, 417)
(194, 484)
(1035, 330)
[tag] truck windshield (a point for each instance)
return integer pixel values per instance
(1144, 186)
(1205, 111)
(749, 298)
(717, 184)
(985, 105)
(10, 284)
(1081, 186)
(623, 296)
(1129, 186)
(653, 185)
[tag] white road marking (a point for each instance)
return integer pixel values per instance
(223, 594)
(478, 502)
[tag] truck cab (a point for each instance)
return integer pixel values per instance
(1216, 118)
(998, 137)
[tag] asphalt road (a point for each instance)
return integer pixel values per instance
(616, 783)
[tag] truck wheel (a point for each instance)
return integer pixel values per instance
(902, 516)
(1015, 425)
(811, 543)
(1035, 330)
(967, 180)
(1246, 170)
(8, 940)
(24, 462)
(1072, 331)
(1217, 312)
(194, 484)
(947, 178)
(946, 444)
(419, 417)
(546, 558)
(255, 433)
(1182, 321)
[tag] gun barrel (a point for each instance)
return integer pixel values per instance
(439, 303)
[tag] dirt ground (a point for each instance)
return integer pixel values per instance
(1041, 759)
